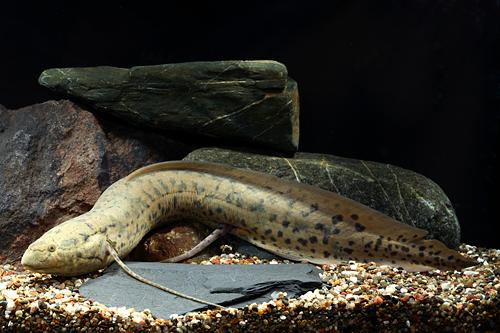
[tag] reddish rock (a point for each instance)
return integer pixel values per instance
(173, 240)
(56, 159)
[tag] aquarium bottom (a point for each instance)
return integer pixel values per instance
(355, 297)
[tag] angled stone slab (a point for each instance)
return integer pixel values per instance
(248, 101)
(228, 285)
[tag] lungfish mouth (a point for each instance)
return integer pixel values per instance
(47, 270)
(34, 261)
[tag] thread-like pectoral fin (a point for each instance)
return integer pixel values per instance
(114, 254)
(216, 234)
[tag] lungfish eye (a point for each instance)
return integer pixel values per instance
(52, 248)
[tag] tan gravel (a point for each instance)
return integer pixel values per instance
(355, 297)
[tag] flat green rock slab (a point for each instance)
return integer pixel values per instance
(248, 101)
(229, 285)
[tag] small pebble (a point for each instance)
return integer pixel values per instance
(463, 301)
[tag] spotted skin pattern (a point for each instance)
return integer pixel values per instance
(294, 220)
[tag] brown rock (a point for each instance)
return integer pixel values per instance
(56, 159)
(171, 241)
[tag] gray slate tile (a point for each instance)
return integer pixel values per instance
(228, 285)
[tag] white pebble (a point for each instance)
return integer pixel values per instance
(34, 306)
(70, 308)
(471, 273)
(349, 273)
(122, 312)
(9, 294)
(446, 306)
(445, 285)
(319, 296)
(82, 308)
(353, 279)
(137, 318)
(389, 290)
(10, 306)
(78, 283)
(307, 296)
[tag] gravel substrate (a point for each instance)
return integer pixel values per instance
(356, 297)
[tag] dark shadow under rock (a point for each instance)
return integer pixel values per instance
(180, 236)
(228, 285)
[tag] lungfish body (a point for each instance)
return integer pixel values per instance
(293, 220)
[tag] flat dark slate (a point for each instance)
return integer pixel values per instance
(228, 285)
(248, 101)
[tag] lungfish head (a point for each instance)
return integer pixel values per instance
(66, 250)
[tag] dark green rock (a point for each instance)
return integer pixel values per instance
(402, 194)
(252, 102)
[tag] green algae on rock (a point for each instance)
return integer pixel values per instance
(248, 101)
(399, 193)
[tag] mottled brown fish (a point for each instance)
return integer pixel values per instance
(296, 221)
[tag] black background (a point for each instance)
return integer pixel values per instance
(413, 83)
